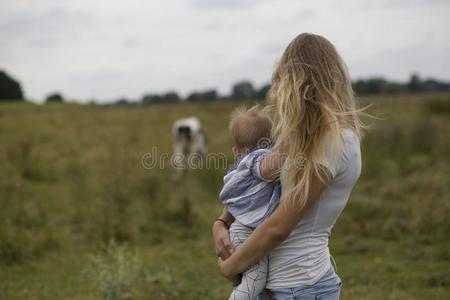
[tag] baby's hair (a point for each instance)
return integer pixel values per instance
(249, 127)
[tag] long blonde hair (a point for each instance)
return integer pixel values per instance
(311, 101)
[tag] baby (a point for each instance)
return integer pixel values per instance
(247, 196)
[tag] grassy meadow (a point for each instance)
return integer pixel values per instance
(82, 218)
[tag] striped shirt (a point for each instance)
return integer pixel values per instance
(249, 197)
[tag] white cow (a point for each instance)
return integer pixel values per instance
(188, 140)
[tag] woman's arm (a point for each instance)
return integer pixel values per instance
(221, 235)
(269, 234)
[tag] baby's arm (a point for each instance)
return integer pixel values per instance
(270, 165)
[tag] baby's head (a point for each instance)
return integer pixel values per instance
(249, 129)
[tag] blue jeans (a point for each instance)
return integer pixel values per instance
(327, 288)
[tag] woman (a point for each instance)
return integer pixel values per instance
(317, 124)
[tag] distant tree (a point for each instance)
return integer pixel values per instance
(170, 97)
(415, 83)
(394, 88)
(375, 85)
(205, 96)
(262, 92)
(151, 99)
(211, 95)
(122, 102)
(193, 97)
(243, 90)
(436, 85)
(54, 98)
(10, 89)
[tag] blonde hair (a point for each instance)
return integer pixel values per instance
(311, 101)
(250, 127)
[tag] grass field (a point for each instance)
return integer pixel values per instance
(81, 218)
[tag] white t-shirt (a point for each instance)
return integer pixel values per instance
(303, 258)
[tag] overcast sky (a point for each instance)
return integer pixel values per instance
(104, 49)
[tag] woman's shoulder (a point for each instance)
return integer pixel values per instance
(350, 153)
(350, 136)
(351, 143)
(338, 160)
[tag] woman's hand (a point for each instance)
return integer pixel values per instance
(222, 241)
(235, 279)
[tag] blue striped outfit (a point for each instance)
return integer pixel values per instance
(249, 197)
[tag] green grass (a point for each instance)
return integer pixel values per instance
(72, 181)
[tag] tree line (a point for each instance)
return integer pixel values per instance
(10, 90)
(240, 91)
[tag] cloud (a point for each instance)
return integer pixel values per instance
(225, 4)
(104, 49)
(42, 27)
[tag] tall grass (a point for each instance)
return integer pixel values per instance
(72, 180)
(114, 271)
